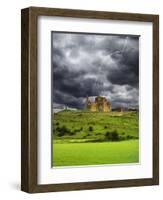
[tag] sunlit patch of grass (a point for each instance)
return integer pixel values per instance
(75, 154)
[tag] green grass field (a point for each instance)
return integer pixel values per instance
(95, 153)
(87, 138)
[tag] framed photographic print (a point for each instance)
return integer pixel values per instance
(90, 99)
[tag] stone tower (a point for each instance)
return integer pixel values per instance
(101, 104)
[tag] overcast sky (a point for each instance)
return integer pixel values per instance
(89, 64)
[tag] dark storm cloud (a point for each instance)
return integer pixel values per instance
(95, 65)
(68, 100)
(128, 72)
(75, 83)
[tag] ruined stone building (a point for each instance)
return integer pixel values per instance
(100, 104)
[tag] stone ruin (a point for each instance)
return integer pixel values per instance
(101, 104)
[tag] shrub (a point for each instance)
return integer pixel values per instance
(115, 136)
(58, 129)
(129, 137)
(77, 130)
(112, 136)
(62, 131)
(71, 133)
(90, 128)
(108, 135)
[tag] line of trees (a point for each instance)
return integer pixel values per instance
(113, 135)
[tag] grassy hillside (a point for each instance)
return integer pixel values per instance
(68, 125)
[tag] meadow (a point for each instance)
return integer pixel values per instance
(92, 138)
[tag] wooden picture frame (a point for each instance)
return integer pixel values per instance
(29, 97)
